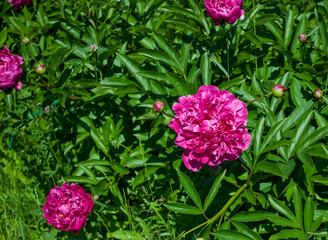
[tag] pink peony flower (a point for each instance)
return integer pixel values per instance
(19, 3)
(224, 10)
(10, 69)
(67, 207)
(210, 127)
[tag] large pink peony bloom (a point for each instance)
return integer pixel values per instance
(10, 69)
(19, 3)
(224, 10)
(210, 127)
(67, 207)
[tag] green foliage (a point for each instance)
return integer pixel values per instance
(101, 131)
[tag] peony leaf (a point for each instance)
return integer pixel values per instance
(288, 234)
(282, 208)
(299, 132)
(308, 214)
(242, 228)
(298, 206)
(133, 68)
(183, 208)
(190, 189)
(230, 235)
(205, 67)
(214, 190)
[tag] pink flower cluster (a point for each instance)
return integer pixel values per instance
(19, 3)
(210, 127)
(10, 69)
(67, 207)
(224, 10)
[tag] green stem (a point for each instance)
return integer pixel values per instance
(317, 48)
(222, 211)
(259, 98)
(169, 115)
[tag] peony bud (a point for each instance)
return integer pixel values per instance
(47, 108)
(40, 69)
(159, 106)
(278, 91)
(93, 47)
(318, 93)
(302, 37)
(19, 85)
(25, 41)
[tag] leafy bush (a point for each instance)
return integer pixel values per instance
(89, 119)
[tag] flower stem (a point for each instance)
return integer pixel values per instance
(169, 115)
(259, 98)
(317, 48)
(222, 211)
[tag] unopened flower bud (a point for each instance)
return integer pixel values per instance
(159, 106)
(302, 37)
(93, 47)
(25, 41)
(40, 69)
(95, 197)
(318, 93)
(278, 91)
(19, 85)
(47, 108)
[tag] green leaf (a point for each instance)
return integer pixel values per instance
(8, 100)
(230, 235)
(255, 216)
(77, 140)
(322, 29)
(182, 87)
(289, 26)
(228, 84)
(315, 137)
(321, 121)
(271, 134)
(190, 189)
(269, 167)
(308, 214)
(299, 132)
(143, 175)
(219, 65)
(253, 38)
(183, 208)
(297, 114)
(242, 228)
(79, 179)
(214, 190)
(282, 208)
(90, 173)
(258, 136)
(124, 234)
(288, 234)
(161, 42)
(282, 221)
(205, 67)
(298, 206)
(120, 169)
(98, 141)
(301, 28)
(159, 56)
(134, 68)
